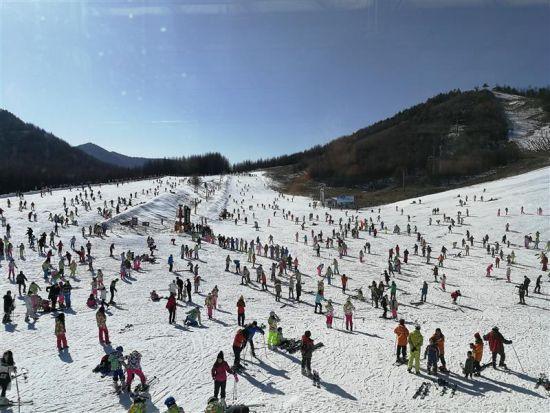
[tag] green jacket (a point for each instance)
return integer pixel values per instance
(415, 340)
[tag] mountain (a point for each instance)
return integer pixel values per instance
(32, 158)
(111, 157)
(450, 136)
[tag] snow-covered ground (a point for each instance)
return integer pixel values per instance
(357, 370)
(527, 124)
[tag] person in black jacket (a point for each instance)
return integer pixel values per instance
(20, 280)
(112, 290)
(8, 307)
(53, 293)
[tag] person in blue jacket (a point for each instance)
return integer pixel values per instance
(249, 332)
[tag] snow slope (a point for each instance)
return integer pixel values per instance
(527, 124)
(357, 370)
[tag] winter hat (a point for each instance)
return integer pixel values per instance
(220, 355)
(402, 322)
(307, 334)
(495, 328)
(120, 349)
(417, 328)
(477, 335)
(170, 401)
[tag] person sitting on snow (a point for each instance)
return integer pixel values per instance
(154, 296)
(91, 302)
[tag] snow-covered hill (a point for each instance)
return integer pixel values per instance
(357, 369)
(528, 127)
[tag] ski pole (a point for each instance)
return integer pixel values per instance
(513, 348)
(18, 395)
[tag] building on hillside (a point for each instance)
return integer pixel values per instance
(341, 201)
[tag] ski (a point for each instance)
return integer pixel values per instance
(419, 390)
(425, 391)
(10, 403)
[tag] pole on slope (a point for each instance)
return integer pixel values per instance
(519, 361)
(18, 394)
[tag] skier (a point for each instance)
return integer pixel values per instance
(318, 302)
(171, 307)
(20, 280)
(415, 345)
(193, 317)
(329, 314)
(208, 303)
(537, 285)
(172, 406)
(170, 263)
(8, 307)
(7, 368)
(307, 352)
(432, 351)
(188, 288)
(112, 290)
(469, 365)
(496, 345)
(116, 362)
(348, 314)
(454, 295)
(402, 333)
(219, 375)
(134, 368)
(424, 292)
(250, 330)
(526, 282)
(439, 339)
(60, 332)
(477, 350)
(272, 334)
(239, 343)
(101, 319)
(241, 311)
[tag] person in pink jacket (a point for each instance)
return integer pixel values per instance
(219, 374)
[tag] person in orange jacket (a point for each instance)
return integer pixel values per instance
(477, 349)
(402, 333)
(440, 341)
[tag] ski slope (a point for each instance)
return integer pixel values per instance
(356, 369)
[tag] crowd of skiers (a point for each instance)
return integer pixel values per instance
(284, 266)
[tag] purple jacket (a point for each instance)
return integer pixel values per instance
(220, 370)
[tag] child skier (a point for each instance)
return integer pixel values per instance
(432, 352)
(469, 365)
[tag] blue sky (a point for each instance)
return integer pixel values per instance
(252, 78)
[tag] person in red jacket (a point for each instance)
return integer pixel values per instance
(240, 311)
(496, 345)
(171, 306)
(238, 344)
(219, 374)
(307, 352)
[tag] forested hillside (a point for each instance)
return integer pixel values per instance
(450, 135)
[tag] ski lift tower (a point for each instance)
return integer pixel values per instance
(322, 194)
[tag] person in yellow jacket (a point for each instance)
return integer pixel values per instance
(272, 334)
(415, 345)
(138, 406)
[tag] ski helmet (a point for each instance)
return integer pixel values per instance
(170, 401)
